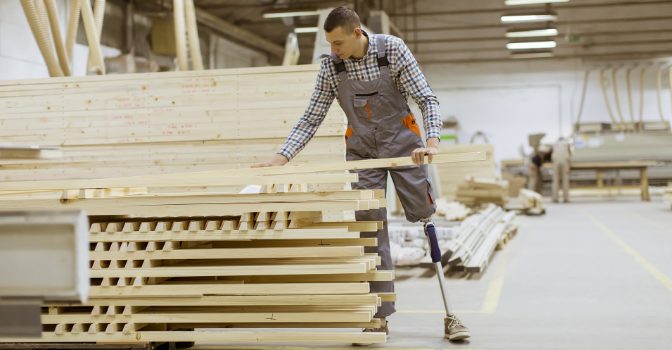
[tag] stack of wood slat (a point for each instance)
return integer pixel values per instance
(166, 264)
(475, 239)
(474, 191)
(156, 123)
(531, 201)
(452, 211)
(452, 175)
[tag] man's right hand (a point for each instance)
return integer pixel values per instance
(277, 160)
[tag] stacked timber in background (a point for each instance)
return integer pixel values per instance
(163, 265)
(476, 191)
(452, 175)
(531, 201)
(452, 211)
(475, 239)
(158, 123)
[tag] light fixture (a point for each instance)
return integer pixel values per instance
(532, 2)
(529, 18)
(535, 54)
(306, 30)
(531, 45)
(291, 14)
(531, 33)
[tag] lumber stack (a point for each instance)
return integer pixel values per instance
(475, 239)
(476, 191)
(287, 257)
(157, 123)
(452, 175)
(531, 201)
(452, 211)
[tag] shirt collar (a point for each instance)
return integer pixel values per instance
(369, 51)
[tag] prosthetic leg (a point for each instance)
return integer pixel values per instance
(454, 329)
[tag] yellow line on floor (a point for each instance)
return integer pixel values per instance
(666, 281)
(645, 219)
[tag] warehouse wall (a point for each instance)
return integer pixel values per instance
(19, 55)
(509, 100)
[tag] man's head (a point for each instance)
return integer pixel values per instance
(343, 31)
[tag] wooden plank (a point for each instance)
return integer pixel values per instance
(364, 242)
(201, 179)
(194, 336)
(379, 275)
(373, 324)
(219, 317)
(239, 300)
(309, 288)
(234, 253)
(187, 236)
(230, 271)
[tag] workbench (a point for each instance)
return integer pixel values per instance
(601, 167)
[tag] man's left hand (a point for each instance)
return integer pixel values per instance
(432, 148)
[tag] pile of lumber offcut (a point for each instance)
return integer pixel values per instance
(531, 201)
(482, 191)
(475, 240)
(452, 175)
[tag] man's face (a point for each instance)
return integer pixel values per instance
(343, 43)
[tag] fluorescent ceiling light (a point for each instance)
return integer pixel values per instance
(305, 30)
(290, 14)
(529, 18)
(531, 45)
(532, 54)
(531, 2)
(532, 32)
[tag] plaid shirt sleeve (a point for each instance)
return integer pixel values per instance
(413, 82)
(305, 129)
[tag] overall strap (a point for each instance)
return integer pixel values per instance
(340, 67)
(383, 63)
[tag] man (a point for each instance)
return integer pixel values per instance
(561, 154)
(372, 78)
(543, 155)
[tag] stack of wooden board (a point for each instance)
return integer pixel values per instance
(163, 265)
(156, 123)
(531, 201)
(475, 240)
(474, 191)
(452, 175)
(452, 211)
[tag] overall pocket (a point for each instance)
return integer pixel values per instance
(361, 104)
(410, 123)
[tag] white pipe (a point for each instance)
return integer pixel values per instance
(659, 87)
(670, 74)
(583, 96)
(616, 101)
(98, 17)
(632, 113)
(606, 100)
(73, 24)
(42, 38)
(92, 36)
(180, 40)
(192, 33)
(640, 128)
(58, 40)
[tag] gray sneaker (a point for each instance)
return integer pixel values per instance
(455, 330)
(383, 328)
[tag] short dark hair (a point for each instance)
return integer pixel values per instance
(342, 17)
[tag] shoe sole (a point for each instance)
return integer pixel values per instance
(458, 336)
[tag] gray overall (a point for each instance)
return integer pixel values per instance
(381, 125)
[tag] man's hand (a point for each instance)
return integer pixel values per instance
(432, 148)
(277, 160)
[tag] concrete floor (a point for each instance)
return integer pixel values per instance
(591, 274)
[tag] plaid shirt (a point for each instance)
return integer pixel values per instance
(404, 71)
